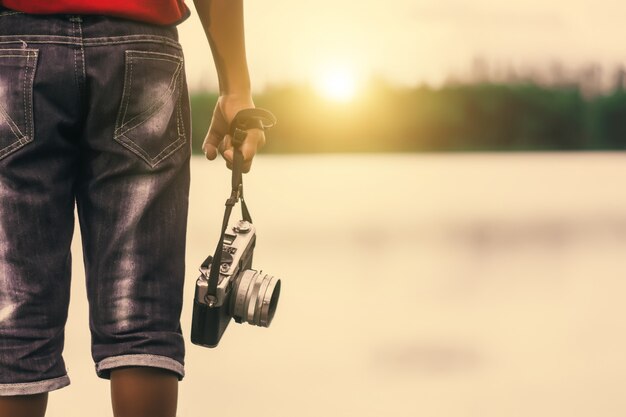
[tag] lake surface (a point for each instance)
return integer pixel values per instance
(413, 285)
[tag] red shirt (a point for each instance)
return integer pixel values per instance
(162, 12)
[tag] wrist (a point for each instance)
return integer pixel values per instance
(234, 102)
(243, 96)
(235, 85)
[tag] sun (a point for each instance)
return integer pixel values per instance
(337, 84)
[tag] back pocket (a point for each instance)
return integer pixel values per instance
(17, 72)
(150, 121)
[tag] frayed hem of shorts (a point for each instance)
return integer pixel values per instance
(104, 367)
(36, 387)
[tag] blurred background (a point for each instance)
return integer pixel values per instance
(443, 199)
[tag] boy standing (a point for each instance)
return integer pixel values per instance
(94, 109)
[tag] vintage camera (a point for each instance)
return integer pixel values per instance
(242, 293)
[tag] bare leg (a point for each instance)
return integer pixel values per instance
(24, 405)
(143, 392)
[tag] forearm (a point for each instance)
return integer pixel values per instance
(223, 24)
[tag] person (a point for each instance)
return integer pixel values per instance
(94, 111)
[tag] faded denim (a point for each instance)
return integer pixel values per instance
(93, 110)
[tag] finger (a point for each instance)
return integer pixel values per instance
(210, 145)
(214, 138)
(228, 155)
(226, 148)
(227, 152)
(254, 141)
(216, 133)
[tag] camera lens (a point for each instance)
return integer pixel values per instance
(256, 298)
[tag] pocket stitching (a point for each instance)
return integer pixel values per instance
(131, 55)
(29, 102)
(123, 129)
(153, 161)
(22, 139)
(148, 113)
(14, 128)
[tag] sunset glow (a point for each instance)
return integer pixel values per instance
(337, 84)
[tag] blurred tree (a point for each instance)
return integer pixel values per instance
(484, 116)
(608, 122)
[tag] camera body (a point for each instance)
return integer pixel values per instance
(242, 293)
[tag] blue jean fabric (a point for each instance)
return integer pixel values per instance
(94, 112)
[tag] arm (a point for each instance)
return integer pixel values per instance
(223, 24)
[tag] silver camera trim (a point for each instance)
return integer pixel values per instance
(242, 234)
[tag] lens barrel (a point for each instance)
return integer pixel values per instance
(255, 299)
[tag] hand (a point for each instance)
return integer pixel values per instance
(218, 138)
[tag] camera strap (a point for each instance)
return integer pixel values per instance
(244, 120)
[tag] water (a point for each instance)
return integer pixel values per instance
(432, 285)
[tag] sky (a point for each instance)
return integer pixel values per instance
(409, 42)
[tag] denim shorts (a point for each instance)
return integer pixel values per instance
(94, 111)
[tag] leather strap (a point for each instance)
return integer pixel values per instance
(244, 120)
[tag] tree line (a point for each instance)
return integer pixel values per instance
(486, 117)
